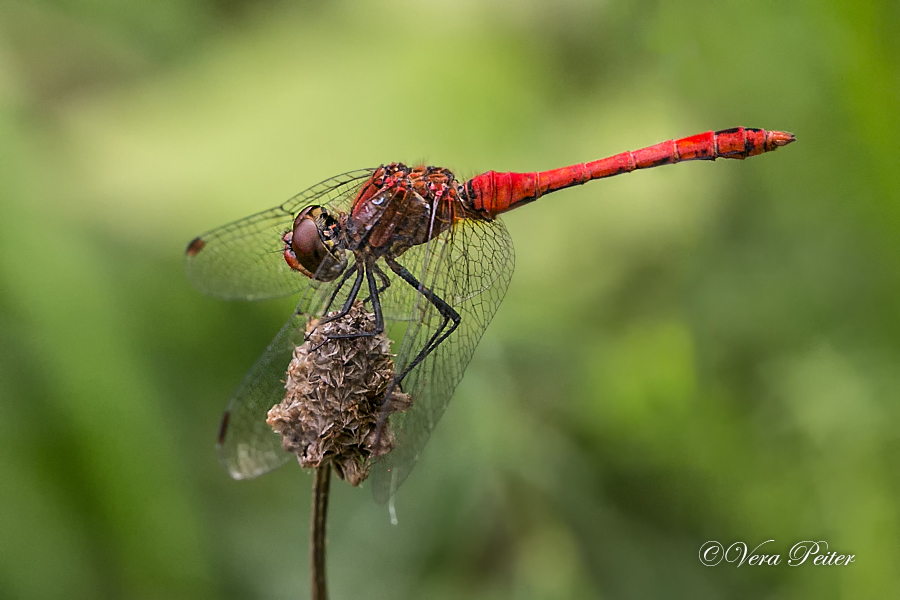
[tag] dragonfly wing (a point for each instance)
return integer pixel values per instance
(470, 268)
(247, 446)
(244, 260)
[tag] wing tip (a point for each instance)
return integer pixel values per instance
(195, 246)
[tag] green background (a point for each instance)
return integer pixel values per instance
(693, 353)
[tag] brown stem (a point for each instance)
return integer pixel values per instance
(318, 518)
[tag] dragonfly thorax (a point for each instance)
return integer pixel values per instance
(401, 207)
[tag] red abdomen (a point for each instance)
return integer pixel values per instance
(493, 193)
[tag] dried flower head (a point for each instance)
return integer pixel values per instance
(335, 393)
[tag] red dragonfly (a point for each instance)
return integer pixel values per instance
(432, 258)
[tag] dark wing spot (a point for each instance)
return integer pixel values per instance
(195, 246)
(223, 427)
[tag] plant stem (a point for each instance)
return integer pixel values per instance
(321, 481)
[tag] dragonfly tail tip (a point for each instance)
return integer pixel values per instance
(782, 138)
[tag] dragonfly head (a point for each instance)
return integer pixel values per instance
(311, 246)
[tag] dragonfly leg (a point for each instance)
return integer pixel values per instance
(375, 295)
(449, 317)
(445, 309)
(347, 273)
(385, 282)
(354, 292)
(376, 308)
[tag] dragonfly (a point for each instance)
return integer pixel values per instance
(427, 251)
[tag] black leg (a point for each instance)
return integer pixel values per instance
(347, 273)
(376, 308)
(354, 292)
(385, 282)
(375, 295)
(448, 314)
(445, 309)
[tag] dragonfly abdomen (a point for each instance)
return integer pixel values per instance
(494, 193)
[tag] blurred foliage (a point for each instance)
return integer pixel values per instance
(701, 352)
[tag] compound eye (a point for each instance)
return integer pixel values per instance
(308, 246)
(309, 249)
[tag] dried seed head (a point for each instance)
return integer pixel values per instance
(335, 392)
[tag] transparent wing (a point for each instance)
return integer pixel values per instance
(470, 268)
(247, 446)
(244, 260)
